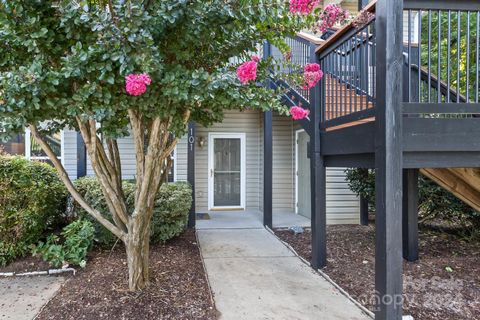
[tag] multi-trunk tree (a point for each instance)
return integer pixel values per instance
(112, 68)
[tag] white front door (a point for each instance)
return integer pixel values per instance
(303, 174)
(226, 171)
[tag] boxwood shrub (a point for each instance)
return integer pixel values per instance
(32, 200)
(172, 204)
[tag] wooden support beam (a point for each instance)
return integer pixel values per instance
(267, 156)
(267, 169)
(191, 172)
(388, 160)
(81, 157)
(410, 215)
(363, 211)
(317, 176)
(364, 203)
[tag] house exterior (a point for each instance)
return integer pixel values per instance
(228, 165)
(226, 162)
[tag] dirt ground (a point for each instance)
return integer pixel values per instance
(178, 289)
(443, 284)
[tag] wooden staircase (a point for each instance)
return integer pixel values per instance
(337, 93)
(464, 183)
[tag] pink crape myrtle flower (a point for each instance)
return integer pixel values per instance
(255, 58)
(332, 14)
(303, 6)
(247, 71)
(312, 74)
(298, 113)
(136, 84)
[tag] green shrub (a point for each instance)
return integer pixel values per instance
(434, 201)
(90, 189)
(32, 200)
(170, 215)
(77, 240)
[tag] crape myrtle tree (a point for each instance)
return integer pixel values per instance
(143, 68)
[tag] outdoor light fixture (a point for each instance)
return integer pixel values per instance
(201, 141)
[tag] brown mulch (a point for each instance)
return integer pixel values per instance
(431, 292)
(26, 264)
(178, 288)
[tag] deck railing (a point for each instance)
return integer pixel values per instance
(442, 51)
(299, 55)
(348, 87)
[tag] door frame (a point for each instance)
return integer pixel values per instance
(243, 149)
(297, 133)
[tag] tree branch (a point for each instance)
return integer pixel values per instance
(138, 131)
(109, 181)
(71, 188)
(114, 155)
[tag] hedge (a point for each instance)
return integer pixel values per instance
(32, 200)
(170, 216)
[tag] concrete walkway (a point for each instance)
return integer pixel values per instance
(23, 297)
(254, 276)
(250, 219)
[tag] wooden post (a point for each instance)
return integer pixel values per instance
(410, 214)
(364, 203)
(267, 169)
(81, 157)
(388, 160)
(267, 158)
(317, 176)
(191, 172)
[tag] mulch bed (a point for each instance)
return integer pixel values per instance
(431, 292)
(26, 264)
(178, 288)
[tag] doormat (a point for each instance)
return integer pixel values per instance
(203, 216)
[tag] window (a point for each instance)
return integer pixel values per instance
(33, 151)
(172, 175)
(14, 146)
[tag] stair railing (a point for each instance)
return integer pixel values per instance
(348, 61)
(442, 51)
(299, 55)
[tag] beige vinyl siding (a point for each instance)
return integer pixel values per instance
(247, 122)
(126, 148)
(350, 5)
(127, 153)
(283, 193)
(70, 152)
(413, 25)
(343, 206)
(181, 159)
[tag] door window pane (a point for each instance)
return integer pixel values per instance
(227, 172)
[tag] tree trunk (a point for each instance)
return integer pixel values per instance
(137, 247)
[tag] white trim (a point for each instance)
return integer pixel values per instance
(28, 149)
(297, 132)
(175, 163)
(62, 147)
(243, 151)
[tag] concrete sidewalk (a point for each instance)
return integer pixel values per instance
(23, 297)
(254, 276)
